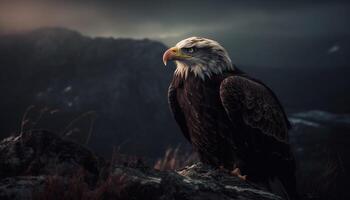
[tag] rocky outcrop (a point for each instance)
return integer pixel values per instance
(42, 165)
(44, 153)
(194, 182)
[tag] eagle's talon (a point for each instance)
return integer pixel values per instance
(237, 172)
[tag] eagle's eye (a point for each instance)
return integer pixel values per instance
(189, 50)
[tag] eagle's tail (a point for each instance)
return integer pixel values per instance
(284, 187)
(277, 187)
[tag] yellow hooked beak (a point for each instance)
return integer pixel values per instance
(173, 54)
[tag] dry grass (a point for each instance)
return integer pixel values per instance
(69, 130)
(108, 186)
(173, 160)
(75, 188)
(28, 123)
(33, 116)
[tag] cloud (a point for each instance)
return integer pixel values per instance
(164, 19)
(250, 26)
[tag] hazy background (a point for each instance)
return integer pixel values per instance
(93, 71)
(275, 33)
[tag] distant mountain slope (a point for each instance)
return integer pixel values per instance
(123, 80)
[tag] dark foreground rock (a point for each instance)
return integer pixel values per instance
(42, 165)
(45, 153)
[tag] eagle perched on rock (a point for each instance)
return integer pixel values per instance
(231, 119)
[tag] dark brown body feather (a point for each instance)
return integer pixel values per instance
(232, 120)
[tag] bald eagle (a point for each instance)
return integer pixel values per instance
(231, 119)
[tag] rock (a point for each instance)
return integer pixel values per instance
(21, 187)
(45, 153)
(194, 182)
(42, 165)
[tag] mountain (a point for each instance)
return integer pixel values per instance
(122, 81)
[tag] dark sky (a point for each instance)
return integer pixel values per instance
(256, 32)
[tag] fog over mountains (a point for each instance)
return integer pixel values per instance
(122, 84)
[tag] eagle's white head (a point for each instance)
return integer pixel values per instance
(203, 57)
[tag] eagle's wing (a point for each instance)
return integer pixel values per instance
(177, 112)
(255, 104)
